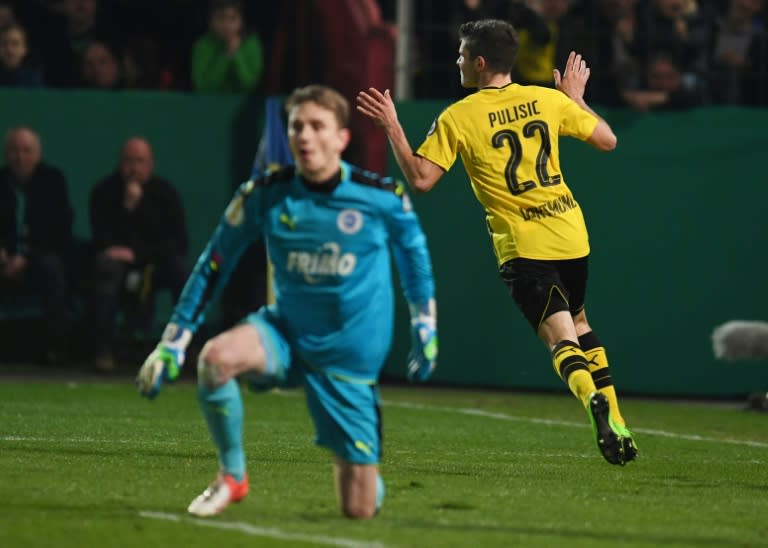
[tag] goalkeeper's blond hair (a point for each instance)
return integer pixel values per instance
(324, 96)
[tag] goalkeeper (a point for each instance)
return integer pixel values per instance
(328, 228)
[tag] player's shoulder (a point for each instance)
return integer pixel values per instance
(463, 109)
(369, 179)
(387, 192)
(269, 177)
(550, 95)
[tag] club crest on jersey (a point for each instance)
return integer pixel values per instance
(349, 221)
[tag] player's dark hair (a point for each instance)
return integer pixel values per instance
(494, 40)
(325, 97)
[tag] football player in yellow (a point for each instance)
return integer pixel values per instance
(507, 137)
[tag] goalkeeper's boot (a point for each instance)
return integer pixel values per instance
(224, 490)
(606, 431)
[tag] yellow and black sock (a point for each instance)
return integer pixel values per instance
(597, 360)
(570, 363)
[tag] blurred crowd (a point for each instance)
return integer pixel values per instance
(210, 46)
(644, 54)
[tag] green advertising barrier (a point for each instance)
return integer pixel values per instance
(678, 231)
(675, 213)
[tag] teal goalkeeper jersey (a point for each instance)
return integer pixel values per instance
(331, 252)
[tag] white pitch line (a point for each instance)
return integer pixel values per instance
(463, 411)
(502, 416)
(268, 532)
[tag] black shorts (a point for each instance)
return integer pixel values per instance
(541, 288)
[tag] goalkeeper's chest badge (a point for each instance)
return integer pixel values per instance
(349, 221)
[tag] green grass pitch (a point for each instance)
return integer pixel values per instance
(89, 463)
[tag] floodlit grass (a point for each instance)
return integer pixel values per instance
(92, 464)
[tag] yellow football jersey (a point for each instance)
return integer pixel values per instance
(508, 141)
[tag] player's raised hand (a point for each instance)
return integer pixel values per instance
(573, 81)
(165, 361)
(377, 106)
(422, 358)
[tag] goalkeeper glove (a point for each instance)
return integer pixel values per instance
(423, 356)
(165, 361)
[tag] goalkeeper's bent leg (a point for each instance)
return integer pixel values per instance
(222, 408)
(570, 364)
(597, 361)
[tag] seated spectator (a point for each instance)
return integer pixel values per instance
(15, 69)
(226, 59)
(663, 86)
(140, 240)
(36, 234)
(101, 66)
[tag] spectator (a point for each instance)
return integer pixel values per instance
(158, 38)
(737, 31)
(140, 240)
(36, 233)
(144, 66)
(680, 29)
(15, 70)
(101, 66)
(227, 59)
(540, 50)
(604, 33)
(663, 86)
(63, 37)
(7, 13)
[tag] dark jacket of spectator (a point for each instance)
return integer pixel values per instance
(156, 227)
(48, 211)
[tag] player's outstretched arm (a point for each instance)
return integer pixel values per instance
(420, 173)
(572, 83)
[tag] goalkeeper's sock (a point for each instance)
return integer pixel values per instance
(223, 411)
(570, 363)
(597, 361)
(380, 492)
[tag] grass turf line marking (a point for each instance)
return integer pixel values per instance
(268, 532)
(502, 416)
(461, 410)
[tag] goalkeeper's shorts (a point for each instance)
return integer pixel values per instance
(344, 410)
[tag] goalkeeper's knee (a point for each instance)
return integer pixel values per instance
(209, 372)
